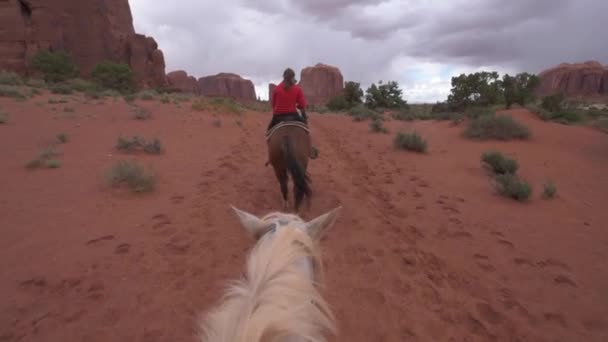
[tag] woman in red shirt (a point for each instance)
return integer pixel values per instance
(287, 98)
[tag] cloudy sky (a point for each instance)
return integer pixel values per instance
(419, 43)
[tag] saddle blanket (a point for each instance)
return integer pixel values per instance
(285, 124)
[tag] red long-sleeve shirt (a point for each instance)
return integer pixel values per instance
(285, 101)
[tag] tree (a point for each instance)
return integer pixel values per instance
(478, 89)
(113, 75)
(353, 93)
(55, 66)
(384, 96)
(519, 89)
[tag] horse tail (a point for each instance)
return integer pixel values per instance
(298, 174)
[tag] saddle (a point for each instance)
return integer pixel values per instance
(281, 124)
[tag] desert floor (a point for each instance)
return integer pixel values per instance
(424, 249)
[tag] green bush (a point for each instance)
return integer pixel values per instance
(140, 113)
(117, 76)
(563, 116)
(361, 113)
(552, 103)
(133, 175)
(129, 145)
(78, 84)
(148, 94)
(11, 91)
(56, 66)
(499, 163)
(10, 78)
(338, 103)
(549, 190)
(61, 88)
(45, 157)
(62, 138)
(377, 126)
(511, 186)
(410, 141)
(502, 127)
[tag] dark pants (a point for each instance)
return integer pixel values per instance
(286, 117)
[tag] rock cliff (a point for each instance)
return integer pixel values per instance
(181, 81)
(320, 83)
(587, 79)
(92, 31)
(227, 85)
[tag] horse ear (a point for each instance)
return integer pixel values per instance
(316, 227)
(252, 223)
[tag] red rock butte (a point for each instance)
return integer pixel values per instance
(588, 79)
(227, 85)
(92, 31)
(181, 81)
(320, 83)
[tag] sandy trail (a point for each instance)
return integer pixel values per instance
(423, 251)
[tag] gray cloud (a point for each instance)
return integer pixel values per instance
(374, 39)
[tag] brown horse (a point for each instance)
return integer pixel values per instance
(288, 151)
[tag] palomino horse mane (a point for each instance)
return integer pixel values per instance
(278, 297)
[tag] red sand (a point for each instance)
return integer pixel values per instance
(424, 249)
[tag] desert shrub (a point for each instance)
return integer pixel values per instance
(217, 123)
(498, 163)
(3, 117)
(563, 116)
(136, 142)
(62, 138)
(410, 141)
(148, 94)
(44, 156)
(165, 99)
(140, 113)
(549, 190)
(181, 97)
(53, 100)
(511, 186)
(80, 85)
(361, 113)
(133, 175)
(111, 75)
(11, 91)
(35, 83)
(403, 115)
(61, 88)
(441, 107)
(68, 109)
(53, 163)
(495, 127)
(224, 105)
(10, 78)
(56, 66)
(377, 126)
(338, 103)
(475, 112)
(129, 98)
(199, 105)
(552, 103)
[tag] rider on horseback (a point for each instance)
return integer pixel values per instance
(287, 103)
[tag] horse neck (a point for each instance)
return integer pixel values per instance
(277, 295)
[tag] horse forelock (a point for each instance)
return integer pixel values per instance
(275, 297)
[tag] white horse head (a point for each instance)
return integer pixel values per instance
(278, 300)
